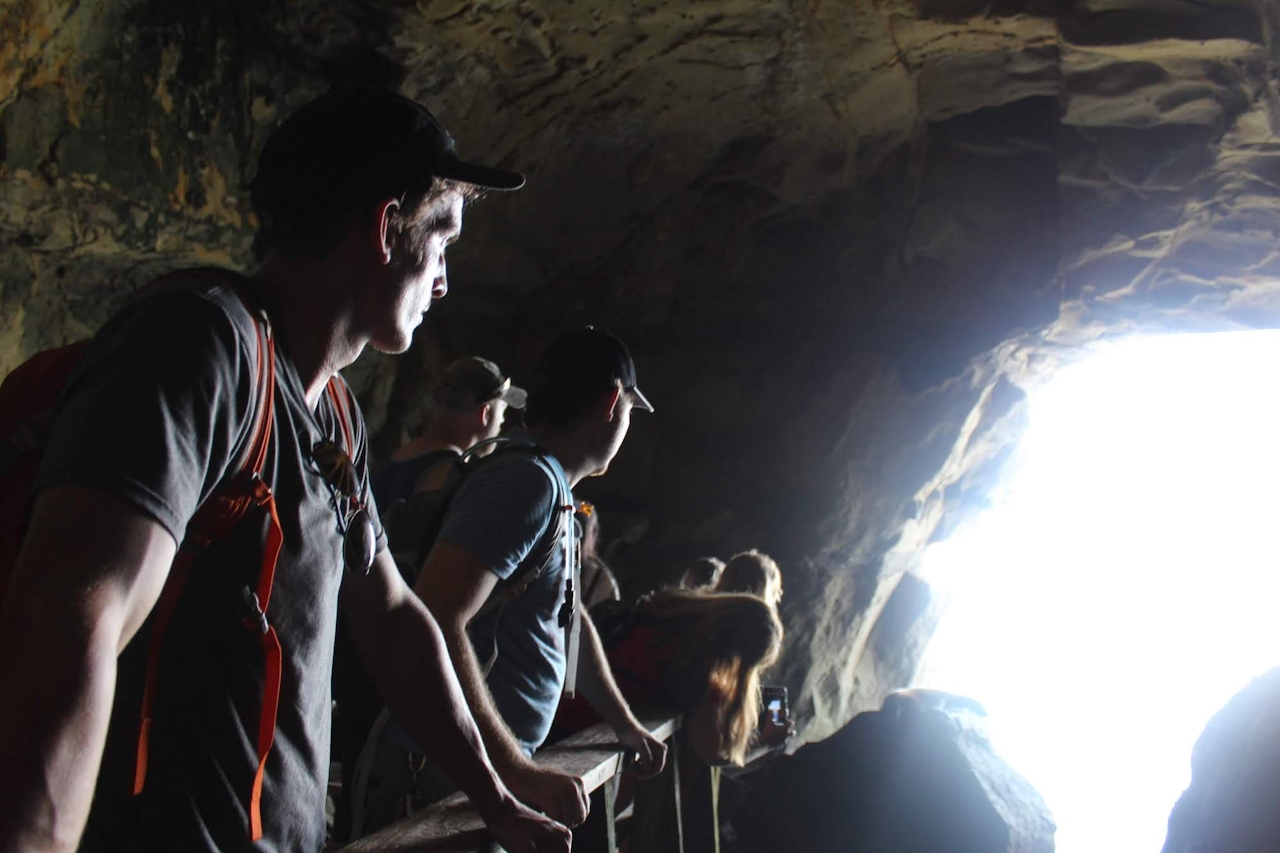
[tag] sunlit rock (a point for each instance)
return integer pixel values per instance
(1230, 806)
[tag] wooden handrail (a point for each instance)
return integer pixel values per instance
(453, 826)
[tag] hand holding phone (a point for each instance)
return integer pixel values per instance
(775, 717)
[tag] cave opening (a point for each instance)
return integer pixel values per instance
(1121, 586)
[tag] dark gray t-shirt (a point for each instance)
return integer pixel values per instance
(157, 413)
(501, 514)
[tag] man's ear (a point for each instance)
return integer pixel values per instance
(382, 228)
(486, 415)
(613, 398)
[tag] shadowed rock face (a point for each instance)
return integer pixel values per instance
(917, 775)
(839, 237)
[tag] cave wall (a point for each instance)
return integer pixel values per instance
(839, 237)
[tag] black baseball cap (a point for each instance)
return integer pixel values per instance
(588, 359)
(474, 381)
(355, 146)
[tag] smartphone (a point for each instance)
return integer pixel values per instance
(774, 711)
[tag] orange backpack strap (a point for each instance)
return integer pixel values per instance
(212, 522)
(273, 661)
(341, 400)
(272, 654)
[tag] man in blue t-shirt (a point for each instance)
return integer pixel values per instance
(468, 406)
(506, 525)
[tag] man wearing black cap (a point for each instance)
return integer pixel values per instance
(358, 194)
(510, 529)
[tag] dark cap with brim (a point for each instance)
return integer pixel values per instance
(358, 146)
(590, 359)
(484, 177)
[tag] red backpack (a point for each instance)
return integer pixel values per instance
(28, 398)
(28, 401)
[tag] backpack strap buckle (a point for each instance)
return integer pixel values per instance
(255, 617)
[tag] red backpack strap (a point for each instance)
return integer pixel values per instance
(272, 654)
(212, 522)
(341, 399)
(273, 660)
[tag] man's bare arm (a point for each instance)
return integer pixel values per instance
(90, 570)
(404, 651)
(455, 584)
(601, 692)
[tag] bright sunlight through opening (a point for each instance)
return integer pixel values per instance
(1124, 585)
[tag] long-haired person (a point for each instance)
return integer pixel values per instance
(752, 573)
(700, 653)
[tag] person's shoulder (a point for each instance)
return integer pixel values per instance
(522, 462)
(510, 476)
(509, 462)
(190, 316)
(199, 296)
(501, 510)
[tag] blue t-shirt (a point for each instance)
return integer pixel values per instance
(501, 514)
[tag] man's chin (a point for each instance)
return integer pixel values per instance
(395, 346)
(401, 340)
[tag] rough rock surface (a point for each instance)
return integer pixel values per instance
(917, 775)
(1230, 806)
(838, 236)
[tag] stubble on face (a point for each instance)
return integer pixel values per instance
(615, 435)
(418, 265)
(432, 228)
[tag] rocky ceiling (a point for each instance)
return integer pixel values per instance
(839, 236)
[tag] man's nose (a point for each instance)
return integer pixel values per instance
(441, 286)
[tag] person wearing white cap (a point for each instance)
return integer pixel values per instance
(469, 405)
